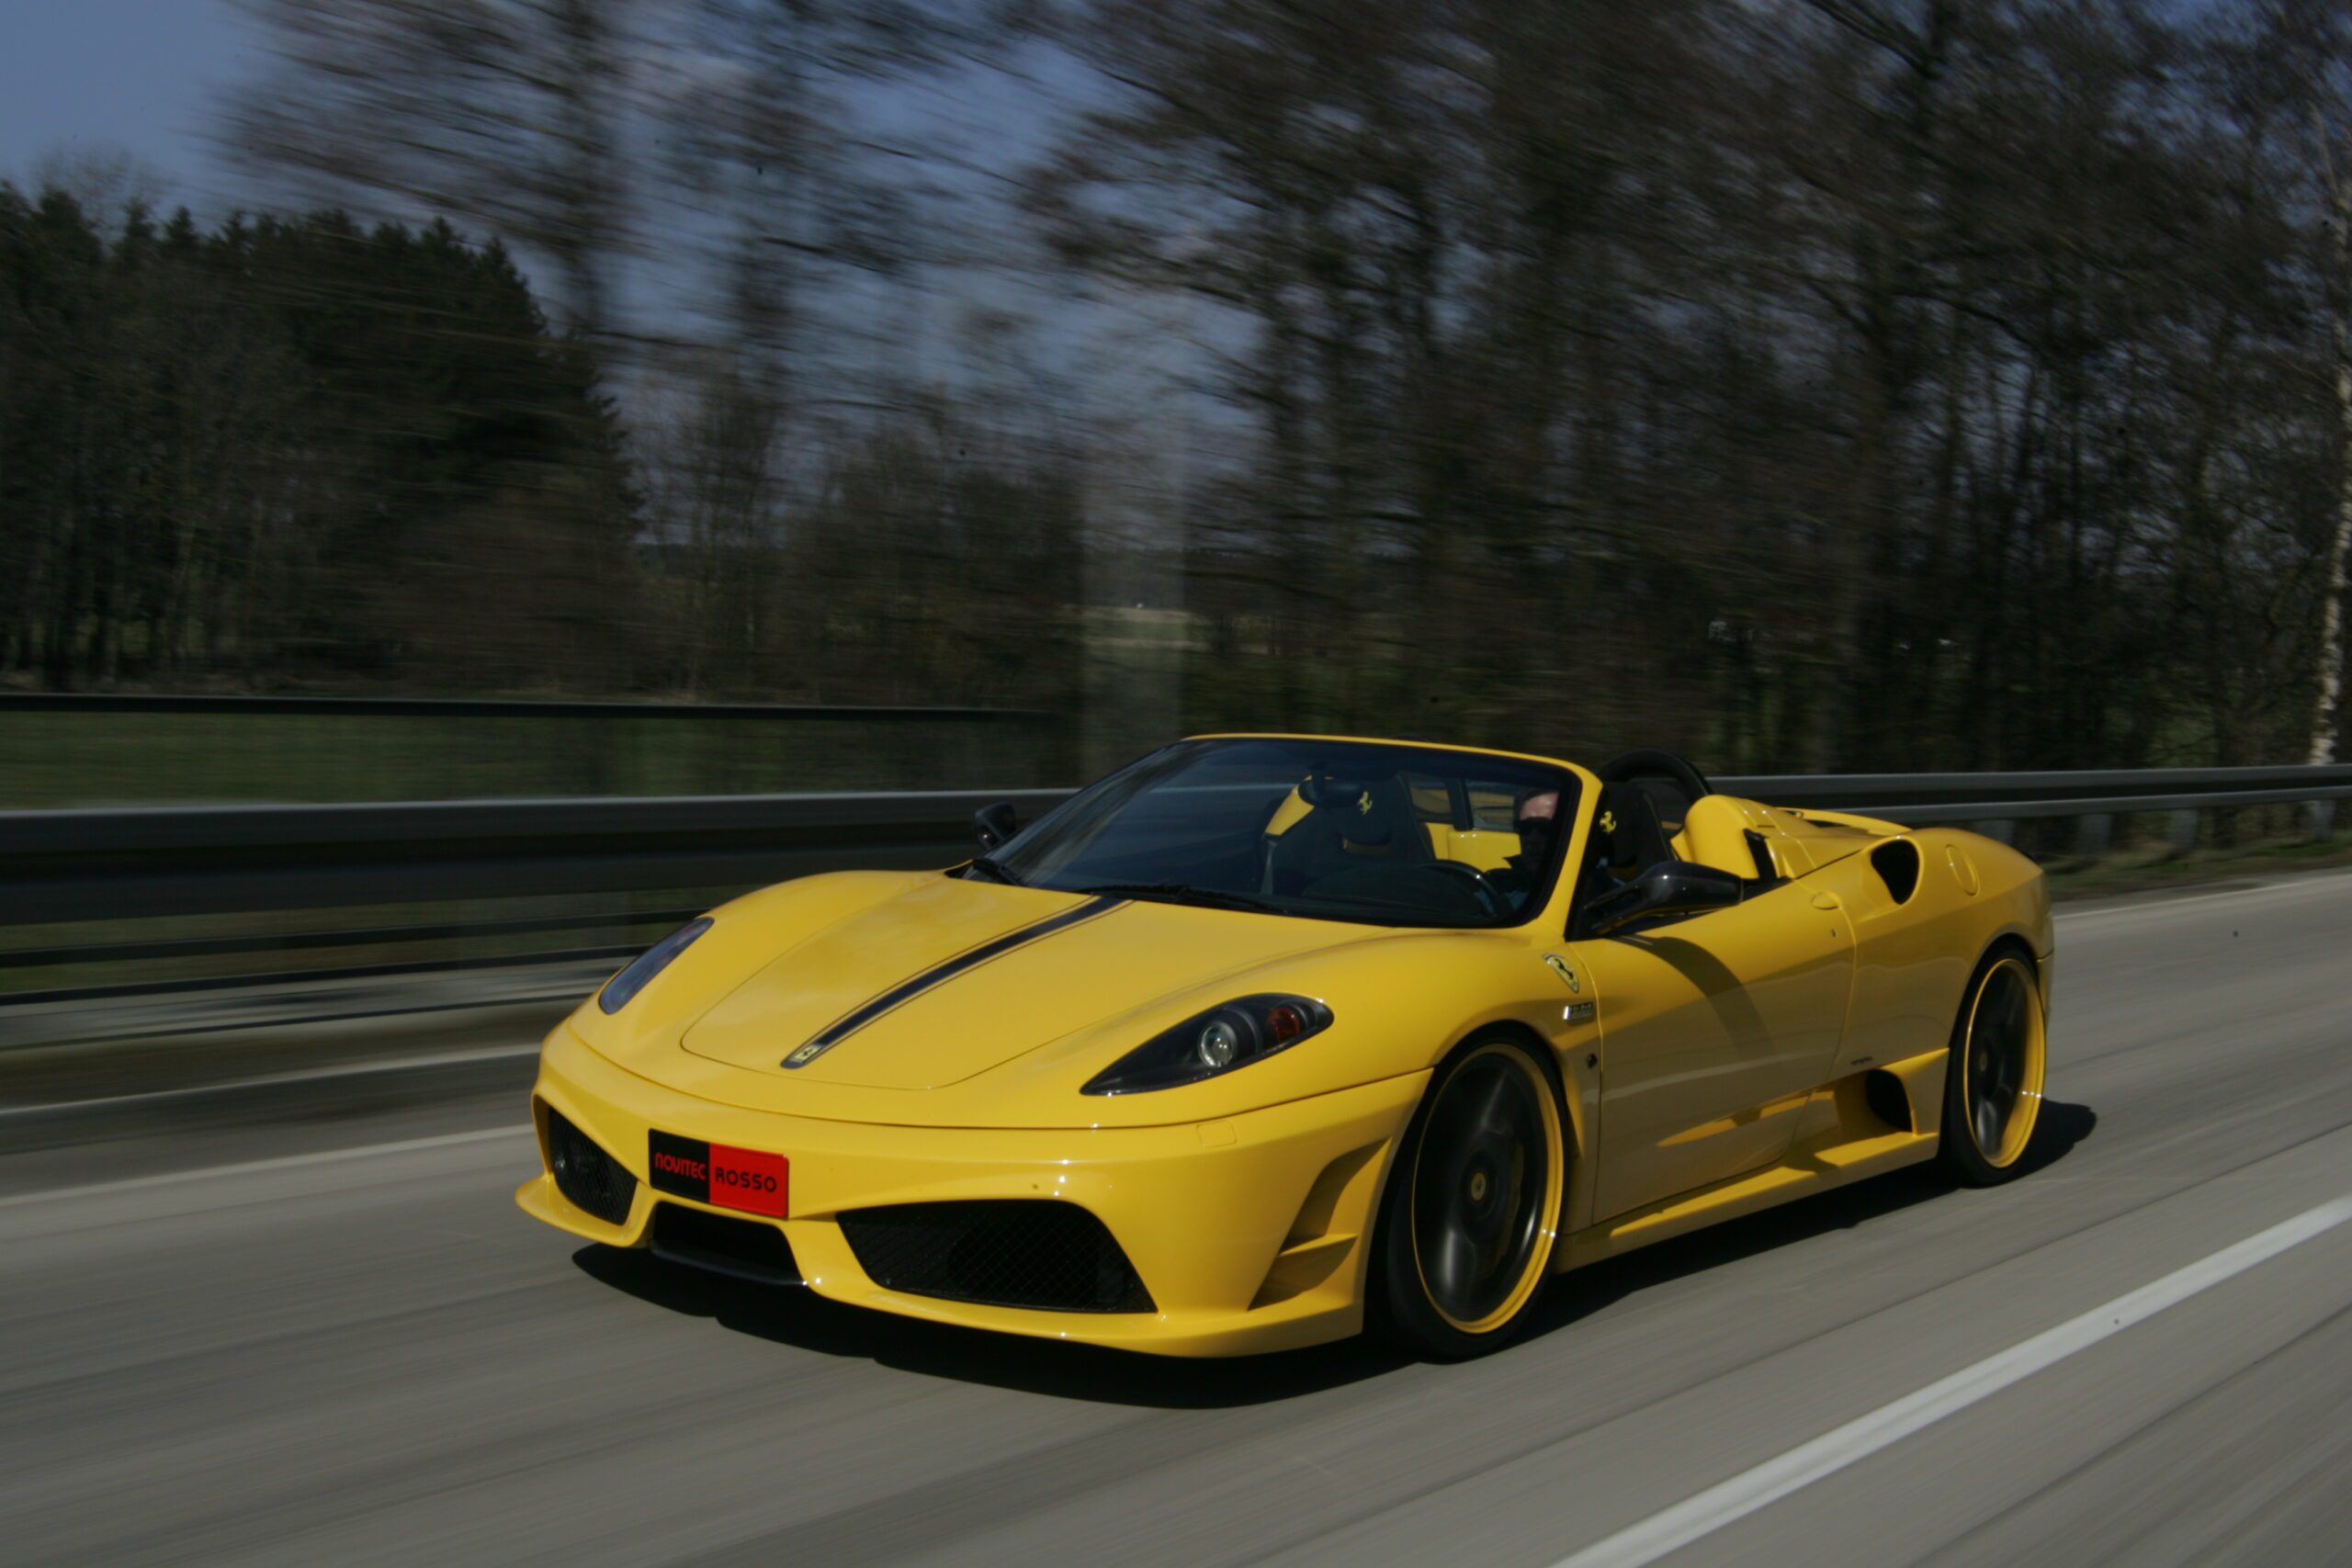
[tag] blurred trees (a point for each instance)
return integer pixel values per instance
(1846, 383)
(1805, 383)
(506, 114)
(293, 448)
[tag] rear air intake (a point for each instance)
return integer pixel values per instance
(587, 1176)
(1039, 1253)
(1897, 864)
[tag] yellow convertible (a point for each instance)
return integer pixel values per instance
(1262, 1038)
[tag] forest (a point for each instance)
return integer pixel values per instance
(1807, 384)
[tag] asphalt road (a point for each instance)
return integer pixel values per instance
(312, 1333)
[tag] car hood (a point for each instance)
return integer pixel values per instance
(948, 978)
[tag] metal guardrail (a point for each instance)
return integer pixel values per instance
(128, 703)
(1921, 798)
(87, 865)
(59, 866)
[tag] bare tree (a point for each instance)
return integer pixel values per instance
(2327, 682)
(509, 116)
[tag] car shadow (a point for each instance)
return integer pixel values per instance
(805, 1321)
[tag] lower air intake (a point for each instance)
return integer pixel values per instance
(749, 1249)
(587, 1176)
(1037, 1253)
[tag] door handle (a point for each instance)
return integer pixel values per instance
(1826, 901)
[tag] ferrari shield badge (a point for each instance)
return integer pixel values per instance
(1560, 967)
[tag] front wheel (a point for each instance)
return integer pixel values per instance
(1993, 1084)
(1471, 1211)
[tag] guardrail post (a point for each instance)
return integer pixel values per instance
(2093, 833)
(2183, 831)
(2319, 818)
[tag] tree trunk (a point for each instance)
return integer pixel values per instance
(2320, 815)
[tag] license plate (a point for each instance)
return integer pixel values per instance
(747, 1180)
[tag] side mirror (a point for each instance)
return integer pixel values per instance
(995, 825)
(1669, 887)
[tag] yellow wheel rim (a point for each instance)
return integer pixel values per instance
(1485, 1202)
(2003, 1062)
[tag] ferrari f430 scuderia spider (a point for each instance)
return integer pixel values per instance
(1265, 1037)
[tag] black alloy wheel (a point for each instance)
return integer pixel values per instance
(1994, 1079)
(1472, 1213)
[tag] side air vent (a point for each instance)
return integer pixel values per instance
(1883, 1092)
(1019, 1252)
(1897, 864)
(586, 1174)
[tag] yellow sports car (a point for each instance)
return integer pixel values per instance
(1263, 1037)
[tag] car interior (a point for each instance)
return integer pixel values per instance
(1344, 837)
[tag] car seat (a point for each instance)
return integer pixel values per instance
(1349, 821)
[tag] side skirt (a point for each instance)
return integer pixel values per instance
(1843, 1139)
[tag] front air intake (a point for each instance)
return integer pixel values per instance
(1038, 1253)
(749, 1249)
(592, 1180)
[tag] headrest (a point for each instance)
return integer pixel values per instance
(1365, 810)
(1667, 799)
(1629, 819)
(1672, 783)
(1331, 790)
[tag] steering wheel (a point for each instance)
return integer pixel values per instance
(1652, 764)
(1488, 894)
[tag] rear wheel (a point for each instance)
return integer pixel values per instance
(1999, 1059)
(1471, 1211)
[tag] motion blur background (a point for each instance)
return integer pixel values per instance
(1833, 386)
(406, 403)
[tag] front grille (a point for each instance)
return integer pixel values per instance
(590, 1178)
(1018, 1253)
(745, 1249)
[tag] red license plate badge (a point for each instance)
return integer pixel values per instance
(751, 1181)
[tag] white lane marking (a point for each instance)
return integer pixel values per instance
(272, 1080)
(2148, 903)
(251, 1167)
(1857, 1440)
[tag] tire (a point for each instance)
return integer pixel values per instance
(1999, 1063)
(1471, 1216)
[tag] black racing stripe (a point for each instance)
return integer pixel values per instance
(940, 974)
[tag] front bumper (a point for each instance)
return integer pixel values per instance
(1249, 1233)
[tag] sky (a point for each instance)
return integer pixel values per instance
(147, 77)
(139, 75)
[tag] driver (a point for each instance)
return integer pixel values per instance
(1535, 815)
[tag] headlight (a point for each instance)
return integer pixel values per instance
(647, 964)
(1245, 1030)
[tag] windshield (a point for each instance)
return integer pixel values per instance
(1345, 830)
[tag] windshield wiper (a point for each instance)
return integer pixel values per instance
(989, 865)
(1179, 892)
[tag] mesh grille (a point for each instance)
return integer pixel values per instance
(1016, 1253)
(749, 1249)
(590, 1178)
